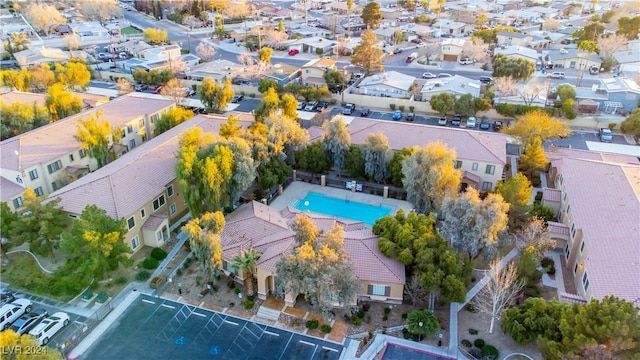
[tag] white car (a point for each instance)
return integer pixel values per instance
(471, 122)
(12, 311)
(311, 105)
(49, 327)
(428, 75)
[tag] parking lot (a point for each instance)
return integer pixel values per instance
(155, 328)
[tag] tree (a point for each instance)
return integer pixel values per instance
(631, 125)
(16, 42)
(529, 94)
(501, 289)
(395, 165)
(414, 290)
(533, 160)
(517, 68)
(42, 77)
(609, 44)
(155, 36)
(95, 134)
(414, 241)
(464, 105)
(535, 238)
(210, 93)
(319, 268)
(422, 322)
(268, 105)
(264, 55)
(246, 263)
(95, 243)
(371, 15)
(171, 118)
(589, 46)
(397, 37)
(367, 55)
(74, 74)
(124, 86)
(19, 80)
(354, 162)
(284, 137)
(516, 190)
(231, 129)
(12, 342)
(476, 49)
(204, 237)
(589, 32)
(313, 158)
(19, 118)
(73, 42)
(480, 104)
(289, 106)
(472, 224)
(226, 94)
(443, 103)
(252, 69)
(536, 317)
(275, 38)
(629, 27)
(314, 92)
(538, 123)
(267, 83)
(205, 51)
(62, 103)
(375, 151)
(337, 140)
(430, 177)
(44, 17)
(99, 10)
(175, 90)
(40, 224)
(334, 79)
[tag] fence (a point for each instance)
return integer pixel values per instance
(333, 180)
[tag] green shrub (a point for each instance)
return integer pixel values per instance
(392, 107)
(325, 328)
(121, 280)
(178, 272)
(471, 308)
(401, 108)
(150, 263)
(479, 343)
(356, 321)
(237, 291)
(387, 310)
(411, 108)
(158, 254)
(361, 314)
(404, 315)
(156, 282)
(490, 352)
(143, 275)
(385, 317)
(312, 324)
(248, 305)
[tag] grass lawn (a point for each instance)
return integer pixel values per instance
(129, 31)
(24, 274)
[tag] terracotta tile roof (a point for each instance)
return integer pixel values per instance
(605, 204)
(125, 185)
(9, 189)
(50, 142)
(550, 194)
(558, 228)
(23, 97)
(570, 298)
(471, 176)
(257, 226)
(555, 152)
(473, 145)
(154, 221)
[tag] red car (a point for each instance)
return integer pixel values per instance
(293, 52)
(156, 90)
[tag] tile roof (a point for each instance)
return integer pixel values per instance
(50, 142)
(258, 226)
(154, 221)
(473, 145)
(123, 186)
(23, 97)
(558, 228)
(9, 189)
(393, 79)
(605, 204)
(556, 152)
(456, 84)
(550, 194)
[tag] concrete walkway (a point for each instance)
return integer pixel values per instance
(34, 258)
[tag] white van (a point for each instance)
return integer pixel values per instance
(557, 75)
(12, 311)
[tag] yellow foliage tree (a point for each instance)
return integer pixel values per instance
(25, 347)
(538, 123)
(155, 36)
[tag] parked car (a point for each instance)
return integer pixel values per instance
(412, 57)
(365, 112)
(466, 61)
(397, 115)
(605, 135)
(294, 52)
(322, 105)
(442, 121)
(557, 75)
(484, 124)
(301, 105)
(456, 119)
(471, 122)
(6, 298)
(12, 311)
(49, 327)
(140, 87)
(594, 70)
(416, 41)
(189, 92)
(156, 90)
(27, 321)
(428, 75)
(486, 79)
(411, 116)
(397, 51)
(497, 125)
(444, 75)
(311, 105)
(237, 98)
(348, 109)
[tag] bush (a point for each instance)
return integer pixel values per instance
(490, 352)
(401, 108)
(158, 254)
(150, 263)
(404, 315)
(471, 308)
(548, 264)
(473, 331)
(156, 282)
(366, 306)
(392, 107)
(312, 324)
(479, 343)
(325, 328)
(248, 305)
(466, 343)
(237, 291)
(356, 320)
(387, 310)
(411, 108)
(121, 280)
(143, 275)
(612, 126)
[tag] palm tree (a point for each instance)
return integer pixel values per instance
(245, 262)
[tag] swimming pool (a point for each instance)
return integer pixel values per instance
(342, 208)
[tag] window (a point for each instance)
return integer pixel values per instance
(567, 252)
(159, 235)
(83, 153)
(129, 129)
(54, 166)
(132, 143)
(582, 247)
(490, 169)
(33, 174)
(230, 268)
(74, 216)
(474, 167)
(71, 158)
(143, 213)
(131, 222)
(172, 209)
(486, 186)
(575, 269)
(560, 178)
(39, 191)
(135, 243)
(170, 191)
(379, 290)
(573, 230)
(458, 164)
(141, 124)
(17, 202)
(159, 202)
(154, 118)
(124, 133)
(54, 186)
(569, 209)
(585, 281)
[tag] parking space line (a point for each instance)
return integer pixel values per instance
(231, 322)
(330, 349)
(271, 333)
(198, 314)
(148, 302)
(306, 343)
(168, 306)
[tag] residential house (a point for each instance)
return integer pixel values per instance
(481, 156)
(389, 84)
(572, 59)
(629, 59)
(601, 213)
(89, 100)
(161, 53)
(391, 13)
(345, 46)
(313, 45)
(520, 52)
(452, 48)
(268, 231)
(386, 33)
(89, 28)
(412, 31)
(38, 55)
(509, 38)
(283, 73)
(217, 69)
(136, 48)
(453, 27)
(342, 9)
(306, 31)
(140, 187)
(456, 85)
(313, 72)
(623, 94)
(49, 157)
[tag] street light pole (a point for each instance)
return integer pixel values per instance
(420, 333)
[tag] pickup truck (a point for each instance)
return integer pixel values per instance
(412, 57)
(605, 135)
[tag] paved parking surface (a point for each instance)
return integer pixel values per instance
(154, 328)
(247, 105)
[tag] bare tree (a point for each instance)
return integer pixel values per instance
(610, 44)
(253, 69)
(238, 9)
(175, 90)
(432, 49)
(176, 66)
(44, 17)
(550, 25)
(100, 10)
(191, 21)
(529, 94)
(414, 289)
(501, 289)
(506, 86)
(535, 235)
(73, 42)
(124, 86)
(205, 51)
(475, 48)
(274, 38)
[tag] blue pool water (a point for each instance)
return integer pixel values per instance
(346, 209)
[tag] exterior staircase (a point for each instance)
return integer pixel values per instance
(268, 314)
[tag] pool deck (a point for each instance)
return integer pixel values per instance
(298, 190)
